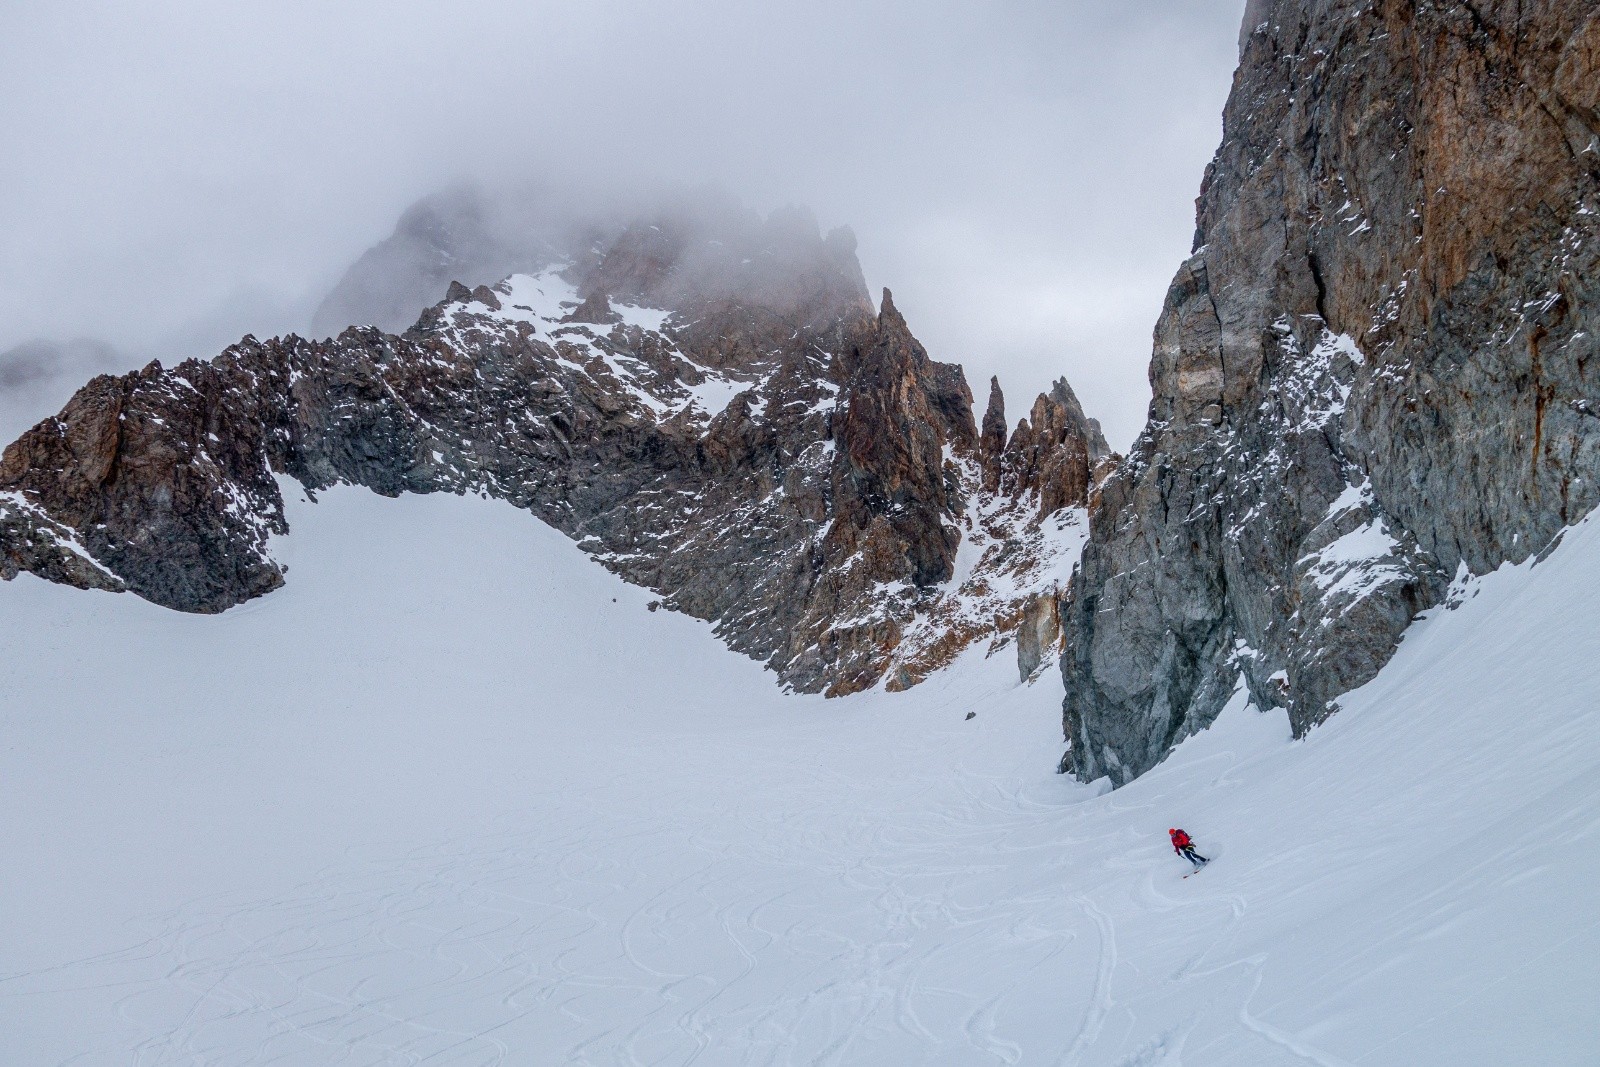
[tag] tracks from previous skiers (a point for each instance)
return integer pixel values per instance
(780, 916)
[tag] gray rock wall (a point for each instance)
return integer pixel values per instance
(1377, 366)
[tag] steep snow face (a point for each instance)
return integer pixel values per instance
(454, 795)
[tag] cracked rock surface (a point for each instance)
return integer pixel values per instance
(1377, 367)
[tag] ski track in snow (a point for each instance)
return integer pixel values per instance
(486, 816)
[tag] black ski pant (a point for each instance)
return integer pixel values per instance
(1192, 856)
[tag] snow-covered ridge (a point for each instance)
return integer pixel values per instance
(665, 399)
(548, 302)
(774, 458)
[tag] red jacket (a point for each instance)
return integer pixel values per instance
(1180, 841)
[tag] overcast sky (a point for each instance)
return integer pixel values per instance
(1022, 175)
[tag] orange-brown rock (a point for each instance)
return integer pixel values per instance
(1378, 368)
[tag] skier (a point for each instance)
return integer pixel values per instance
(1183, 845)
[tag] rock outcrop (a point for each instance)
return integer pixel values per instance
(1018, 544)
(1376, 370)
(709, 405)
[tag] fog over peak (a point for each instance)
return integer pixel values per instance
(1022, 175)
(714, 247)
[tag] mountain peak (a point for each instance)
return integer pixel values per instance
(704, 401)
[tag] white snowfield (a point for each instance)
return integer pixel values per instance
(453, 796)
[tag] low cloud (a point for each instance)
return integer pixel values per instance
(1021, 174)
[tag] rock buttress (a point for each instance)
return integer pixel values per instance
(1377, 367)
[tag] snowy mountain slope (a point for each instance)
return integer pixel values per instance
(443, 799)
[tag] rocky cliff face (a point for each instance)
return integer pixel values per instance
(708, 404)
(1377, 368)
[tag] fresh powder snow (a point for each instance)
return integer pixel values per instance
(454, 795)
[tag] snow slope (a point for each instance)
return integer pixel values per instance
(453, 795)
